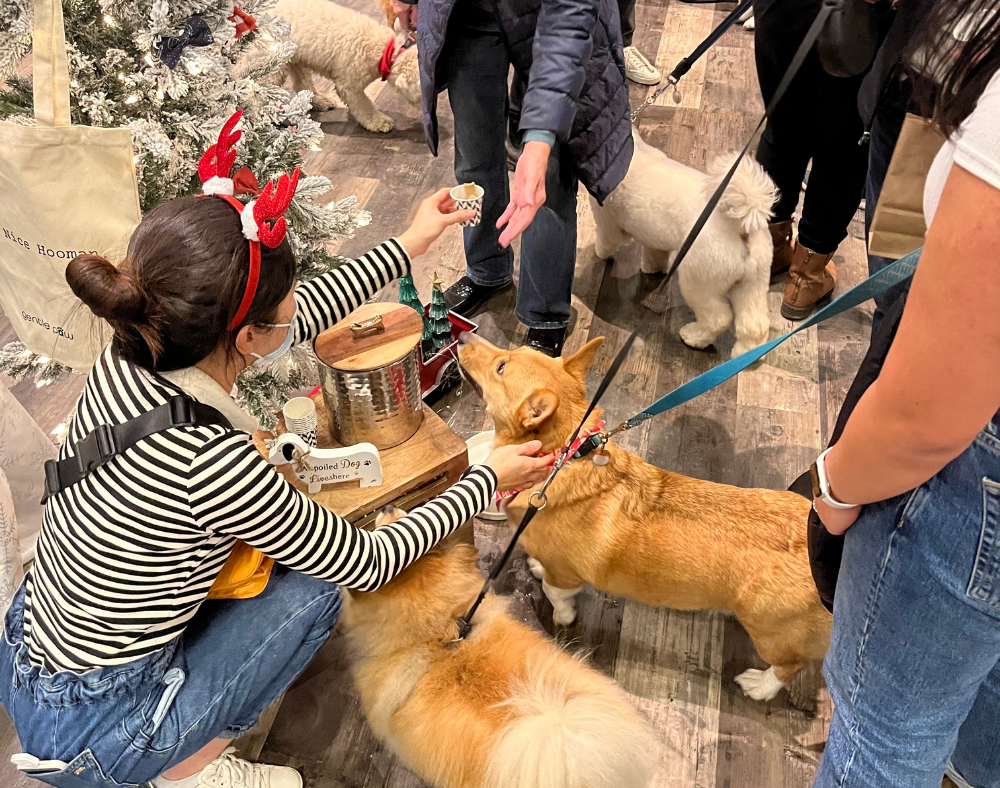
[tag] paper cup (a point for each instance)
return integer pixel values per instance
(480, 447)
(300, 418)
(465, 202)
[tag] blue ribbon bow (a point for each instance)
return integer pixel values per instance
(196, 34)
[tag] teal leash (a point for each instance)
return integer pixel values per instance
(888, 277)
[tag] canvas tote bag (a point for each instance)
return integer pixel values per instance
(66, 190)
(898, 225)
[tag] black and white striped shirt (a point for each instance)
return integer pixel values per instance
(127, 555)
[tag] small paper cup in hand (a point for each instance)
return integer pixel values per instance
(300, 418)
(469, 197)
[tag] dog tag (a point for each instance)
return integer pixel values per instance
(602, 459)
(678, 98)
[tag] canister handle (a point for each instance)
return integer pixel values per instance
(373, 325)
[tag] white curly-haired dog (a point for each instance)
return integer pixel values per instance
(728, 269)
(346, 47)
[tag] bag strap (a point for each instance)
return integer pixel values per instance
(50, 67)
(108, 441)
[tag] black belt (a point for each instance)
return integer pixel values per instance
(107, 441)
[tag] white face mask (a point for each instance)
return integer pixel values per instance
(274, 355)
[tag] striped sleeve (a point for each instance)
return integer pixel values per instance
(331, 297)
(235, 491)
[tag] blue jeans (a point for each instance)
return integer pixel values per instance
(476, 63)
(884, 132)
(128, 724)
(914, 660)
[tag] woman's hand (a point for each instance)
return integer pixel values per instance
(516, 466)
(836, 521)
(435, 213)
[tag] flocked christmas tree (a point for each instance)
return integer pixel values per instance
(408, 295)
(173, 71)
(438, 314)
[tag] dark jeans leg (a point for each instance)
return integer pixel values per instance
(817, 119)
(886, 125)
(548, 250)
(784, 150)
(477, 66)
(626, 11)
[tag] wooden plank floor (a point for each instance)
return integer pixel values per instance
(761, 429)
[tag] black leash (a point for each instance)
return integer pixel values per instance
(684, 66)
(465, 623)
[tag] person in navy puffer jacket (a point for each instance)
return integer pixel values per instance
(575, 124)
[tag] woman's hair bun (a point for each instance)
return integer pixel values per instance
(109, 292)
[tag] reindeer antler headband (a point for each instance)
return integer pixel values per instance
(269, 205)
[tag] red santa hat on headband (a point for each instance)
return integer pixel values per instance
(262, 218)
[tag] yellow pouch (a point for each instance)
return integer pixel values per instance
(244, 575)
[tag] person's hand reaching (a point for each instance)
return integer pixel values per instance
(516, 466)
(435, 213)
(528, 194)
(406, 13)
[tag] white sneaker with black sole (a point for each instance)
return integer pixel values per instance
(639, 69)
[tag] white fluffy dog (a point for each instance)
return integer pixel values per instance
(345, 47)
(728, 269)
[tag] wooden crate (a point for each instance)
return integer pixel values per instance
(412, 473)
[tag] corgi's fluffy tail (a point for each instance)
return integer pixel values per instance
(571, 731)
(750, 196)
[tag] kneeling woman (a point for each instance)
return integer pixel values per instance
(112, 660)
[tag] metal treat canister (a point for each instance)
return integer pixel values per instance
(370, 373)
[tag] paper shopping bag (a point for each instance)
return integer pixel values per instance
(898, 224)
(65, 190)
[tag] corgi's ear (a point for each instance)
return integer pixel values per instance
(539, 405)
(579, 363)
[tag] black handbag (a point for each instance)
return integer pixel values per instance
(825, 549)
(850, 38)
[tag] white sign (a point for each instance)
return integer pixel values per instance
(316, 467)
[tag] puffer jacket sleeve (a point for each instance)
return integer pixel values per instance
(562, 46)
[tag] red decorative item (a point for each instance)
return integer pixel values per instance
(218, 160)
(214, 169)
(243, 21)
(435, 371)
(271, 204)
(245, 182)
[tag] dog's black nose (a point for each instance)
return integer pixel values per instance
(465, 338)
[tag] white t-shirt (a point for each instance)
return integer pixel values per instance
(974, 147)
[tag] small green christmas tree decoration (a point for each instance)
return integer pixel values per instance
(408, 295)
(439, 322)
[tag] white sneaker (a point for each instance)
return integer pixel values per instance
(228, 771)
(638, 69)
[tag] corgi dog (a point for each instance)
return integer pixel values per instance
(503, 708)
(633, 530)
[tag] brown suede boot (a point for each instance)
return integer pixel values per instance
(781, 234)
(811, 279)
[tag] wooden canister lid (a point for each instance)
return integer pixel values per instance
(371, 337)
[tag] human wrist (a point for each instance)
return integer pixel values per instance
(539, 135)
(412, 244)
(825, 470)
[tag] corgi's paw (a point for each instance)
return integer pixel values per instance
(564, 614)
(536, 568)
(563, 604)
(379, 122)
(759, 684)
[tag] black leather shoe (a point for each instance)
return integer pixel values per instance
(513, 153)
(547, 340)
(465, 296)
